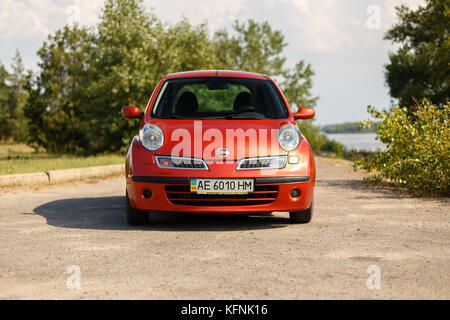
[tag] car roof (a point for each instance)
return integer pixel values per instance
(217, 73)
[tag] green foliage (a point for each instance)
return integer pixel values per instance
(124, 70)
(214, 100)
(348, 127)
(185, 47)
(315, 138)
(297, 85)
(333, 146)
(57, 107)
(419, 68)
(418, 144)
(4, 89)
(252, 46)
(26, 162)
(12, 100)
(321, 143)
(87, 75)
(256, 47)
(17, 97)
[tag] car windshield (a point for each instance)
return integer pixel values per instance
(219, 98)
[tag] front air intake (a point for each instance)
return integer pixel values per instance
(181, 195)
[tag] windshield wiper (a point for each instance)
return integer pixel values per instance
(174, 116)
(237, 117)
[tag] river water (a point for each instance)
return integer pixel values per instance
(358, 141)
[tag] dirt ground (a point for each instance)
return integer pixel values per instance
(72, 242)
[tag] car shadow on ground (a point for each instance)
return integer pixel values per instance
(108, 213)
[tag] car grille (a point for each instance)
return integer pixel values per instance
(181, 195)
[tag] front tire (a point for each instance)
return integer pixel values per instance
(302, 216)
(135, 218)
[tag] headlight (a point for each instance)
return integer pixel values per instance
(289, 137)
(151, 137)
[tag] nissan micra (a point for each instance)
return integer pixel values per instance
(219, 142)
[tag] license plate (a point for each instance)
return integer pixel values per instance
(222, 186)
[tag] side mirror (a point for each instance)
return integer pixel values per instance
(304, 113)
(131, 112)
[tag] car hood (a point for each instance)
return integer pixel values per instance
(202, 138)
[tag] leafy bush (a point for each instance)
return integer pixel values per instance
(417, 154)
(333, 146)
(320, 142)
(315, 138)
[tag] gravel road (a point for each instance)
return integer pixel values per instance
(398, 244)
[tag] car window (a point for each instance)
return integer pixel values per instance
(213, 100)
(219, 97)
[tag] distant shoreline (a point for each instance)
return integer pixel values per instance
(347, 127)
(364, 141)
(349, 133)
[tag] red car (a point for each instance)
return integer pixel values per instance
(219, 142)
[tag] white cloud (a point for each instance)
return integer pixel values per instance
(389, 13)
(322, 26)
(21, 19)
(26, 19)
(319, 25)
(337, 26)
(301, 5)
(217, 12)
(89, 10)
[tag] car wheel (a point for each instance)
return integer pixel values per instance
(302, 216)
(135, 217)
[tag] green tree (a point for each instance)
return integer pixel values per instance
(419, 68)
(126, 68)
(297, 85)
(57, 109)
(12, 100)
(17, 97)
(185, 47)
(252, 46)
(417, 152)
(4, 90)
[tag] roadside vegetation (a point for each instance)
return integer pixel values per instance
(20, 158)
(417, 156)
(416, 132)
(419, 68)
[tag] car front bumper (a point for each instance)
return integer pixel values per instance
(170, 188)
(171, 194)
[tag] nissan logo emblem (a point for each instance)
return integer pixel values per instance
(222, 153)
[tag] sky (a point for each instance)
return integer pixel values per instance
(341, 39)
